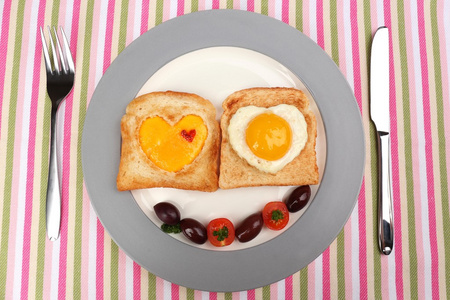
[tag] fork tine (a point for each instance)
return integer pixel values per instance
(48, 64)
(67, 51)
(62, 57)
(55, 54)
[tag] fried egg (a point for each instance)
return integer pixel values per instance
(268, 138)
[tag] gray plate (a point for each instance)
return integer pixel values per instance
(237, 270)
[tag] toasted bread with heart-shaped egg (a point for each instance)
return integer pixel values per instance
(169, 139)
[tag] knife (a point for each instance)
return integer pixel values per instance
(379, 113)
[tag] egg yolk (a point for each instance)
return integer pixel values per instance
(172, 147)
(269, 136)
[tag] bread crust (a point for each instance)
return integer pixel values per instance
(236, 172)
(137, 171)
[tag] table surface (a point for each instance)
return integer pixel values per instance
(86, 263)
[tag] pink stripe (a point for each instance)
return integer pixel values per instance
(108, 36)
(100, 260)
(395, 165)
(47, 270)
(361, 198)
(415, 156)
(166, 10)
(85, 245)
(288, 287)
(250, 5)
(175, 291)
(285, 11)
(122, 275)
(31, 154)
(159, 288)
(212, 296)
(4, 50)
(144, 15)
(274, 290)
(215, 4)
(429, 152)
(326, 274)
(180, 8)
(306, 29)
(137, 281)
(130, 22)
(251, 295)
(319, 20)
(312, 280)
(271, 8)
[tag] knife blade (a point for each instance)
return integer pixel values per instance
(379, 113)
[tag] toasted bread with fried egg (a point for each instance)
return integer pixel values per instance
(138, 171)
(235, 172)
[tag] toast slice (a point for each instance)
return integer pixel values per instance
(236, 172)
(138, 171)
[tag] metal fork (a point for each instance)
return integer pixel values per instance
(60, 79)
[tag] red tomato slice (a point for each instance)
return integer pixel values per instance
(220, 232)
(275, 215)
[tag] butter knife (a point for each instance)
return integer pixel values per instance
(379, 113)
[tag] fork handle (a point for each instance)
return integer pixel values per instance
(53, 206)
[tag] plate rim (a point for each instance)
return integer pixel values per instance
(164, 260)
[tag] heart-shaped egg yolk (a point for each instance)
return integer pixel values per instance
(268, 136)
(172, 147)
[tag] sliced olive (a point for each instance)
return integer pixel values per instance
(249, 228)
(167, 213)
(194, 230)
(298, 198)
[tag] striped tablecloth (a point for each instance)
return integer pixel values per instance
(85, 263)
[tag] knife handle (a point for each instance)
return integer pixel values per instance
(385, 224)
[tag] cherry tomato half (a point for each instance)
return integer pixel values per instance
(275, 215)
(220, 232)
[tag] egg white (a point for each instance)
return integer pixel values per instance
(237, 131)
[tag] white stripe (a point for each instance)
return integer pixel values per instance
(380, 14)
(128, 277)
(281, 293)
(278, 9)
(101, 40)
(137, 19)
(54, 281)
(68, 19)
(22, 185)
(173, 8)
(312, 20)
(318, 275)
(421, 149)
(92, 261)
(167, 286)
(1, 19)
(243, 296)
(243, 5)
(208, 4)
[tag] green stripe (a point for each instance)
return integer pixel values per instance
(408, 154)
(78, 239)
(229, 4)
(442, 143)
(114, 270)
(265, 7)
(194, 5)
(10, 147)
(190, 294)
(266, 292)
(151, 286)
(334, 31)
(228, 296)
(159, 12)
(299, 14)
(304, 283)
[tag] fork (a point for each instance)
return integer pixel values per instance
(60, 78)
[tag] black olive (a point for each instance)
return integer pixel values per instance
(167, 213)
(249, 228)
(194, 230)
(298, 198)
